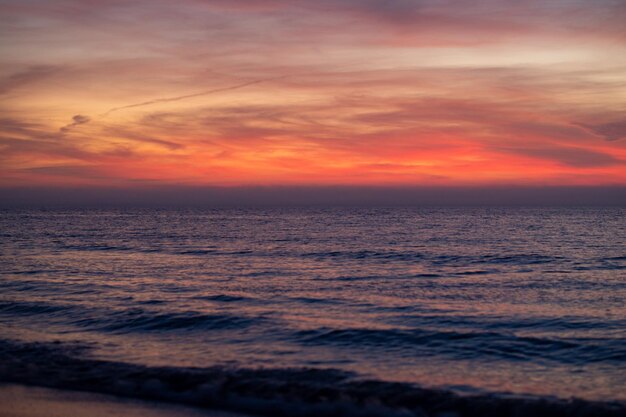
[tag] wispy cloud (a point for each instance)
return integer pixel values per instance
(570, 156)
(77, 120)
(611, 131)
(26, 76)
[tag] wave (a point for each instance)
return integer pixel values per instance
(199, 252)
(478, 345)
(224, 298)
(46, 287)
(430, 334)
(31, 272)
(270, 392)
(139, 320)
(556, 324)
(518, 259)
(97, 248)
(28, 308)
(366, 254)
(464, 260)
(474, 272)
(211, 251)
(416, 316)
(314, 300)
(129, 320)
(515, 259)
(615, 258)
(495, 260)
(165, 250)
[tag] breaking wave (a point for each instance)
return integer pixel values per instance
(269, 392)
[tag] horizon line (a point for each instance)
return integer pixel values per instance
(288, 195)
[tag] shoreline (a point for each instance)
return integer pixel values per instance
(18, 400)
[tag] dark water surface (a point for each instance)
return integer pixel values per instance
(473, 300)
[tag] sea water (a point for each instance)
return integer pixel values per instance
(524, 301)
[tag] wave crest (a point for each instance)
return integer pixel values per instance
(271, 392)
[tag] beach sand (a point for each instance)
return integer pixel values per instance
(26, 401)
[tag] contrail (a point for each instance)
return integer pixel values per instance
(185, 97)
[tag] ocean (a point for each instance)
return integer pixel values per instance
(322, 311)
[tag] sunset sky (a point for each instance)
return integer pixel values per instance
(303, 92)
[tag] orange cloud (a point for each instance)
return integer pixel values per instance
(274, 92)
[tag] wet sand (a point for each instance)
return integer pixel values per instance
(26, 401)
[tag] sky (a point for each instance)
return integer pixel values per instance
(374, 93)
